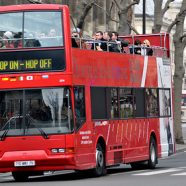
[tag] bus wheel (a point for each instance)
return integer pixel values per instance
(152, 154)
(20, 176)
(100, 168)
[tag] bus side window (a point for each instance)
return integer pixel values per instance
(79, 99)
(151, 102)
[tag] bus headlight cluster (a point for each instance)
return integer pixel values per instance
(58, 150)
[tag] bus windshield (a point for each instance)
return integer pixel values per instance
(31, 29)
(27, 112)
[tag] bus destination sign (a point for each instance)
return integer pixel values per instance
(32, 61)
(31, 64)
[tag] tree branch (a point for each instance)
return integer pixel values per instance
(183, 37)
(34, 2)
(182, 12)
(133, 3)
(176, 20)
(117, 4)
(132, 28)
(184, 42)
(127, 7)
(108, 14)
(167, 6)
(172, 25)
(110, 10)
(84, 14)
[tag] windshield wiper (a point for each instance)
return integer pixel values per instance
(43, 133)
(3, 136)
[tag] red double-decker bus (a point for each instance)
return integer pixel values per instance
(70, 108)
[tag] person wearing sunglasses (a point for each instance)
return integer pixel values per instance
(146, 49)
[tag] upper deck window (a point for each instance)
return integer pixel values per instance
(31, 29)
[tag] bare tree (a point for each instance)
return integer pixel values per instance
(35, 1)
(179, 39)
(124, 10)
(11, 2)
(44, 1)
(86, 7)
(111, 19)
(124, 22)
(159, 13)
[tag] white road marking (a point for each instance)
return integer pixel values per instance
(136, 171)
(181, 167)
(179, 174)
(157, 172)
(8, 178)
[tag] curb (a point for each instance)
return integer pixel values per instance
(5, 174)
(181, 150)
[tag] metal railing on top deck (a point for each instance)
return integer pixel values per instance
(90, 44)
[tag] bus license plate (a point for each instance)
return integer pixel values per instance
(24, 163)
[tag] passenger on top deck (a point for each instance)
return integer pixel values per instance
(1, 43)
(115, 43)
(136, 48)
(146, 49)
(107, 35)
(8, 39)
(124, 46)
(18, 40)
(76, 33)
(100, 43)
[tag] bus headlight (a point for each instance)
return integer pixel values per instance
(58, 150)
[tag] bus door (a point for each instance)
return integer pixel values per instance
(83, 128)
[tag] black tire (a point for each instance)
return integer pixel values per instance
(20, 176)
(100, 168)
(153, 158)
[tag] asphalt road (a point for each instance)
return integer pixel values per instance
(169, 172)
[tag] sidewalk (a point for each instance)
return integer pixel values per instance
(182, 147)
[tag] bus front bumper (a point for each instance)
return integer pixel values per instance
(37, 160)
